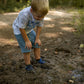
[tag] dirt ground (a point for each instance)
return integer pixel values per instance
(60, 49)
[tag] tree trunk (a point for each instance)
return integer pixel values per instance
(20, 1)
(5, 3)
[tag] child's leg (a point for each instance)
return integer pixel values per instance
(27, 58)
(27, 62)
(37, 56)
(37, 53)
(25, 51)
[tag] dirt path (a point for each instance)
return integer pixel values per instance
(60, 49)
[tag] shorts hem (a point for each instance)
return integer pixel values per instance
(26, 51)
(36, 47)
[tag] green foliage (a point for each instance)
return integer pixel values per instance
(67, 3)
(17, 5)
(14, 5)
(78, 22)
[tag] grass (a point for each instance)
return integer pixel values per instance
(78, 21)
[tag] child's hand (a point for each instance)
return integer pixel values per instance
(28, 44)
(38, 41)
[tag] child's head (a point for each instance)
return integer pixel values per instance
(39, 7)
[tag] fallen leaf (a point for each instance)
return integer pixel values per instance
(71, 81)
(45, 49)
(81, 45)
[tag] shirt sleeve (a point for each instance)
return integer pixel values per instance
(40, 23)
(22, 21)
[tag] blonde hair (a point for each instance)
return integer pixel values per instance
(40, 6)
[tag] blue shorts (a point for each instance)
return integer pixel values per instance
(31, 36)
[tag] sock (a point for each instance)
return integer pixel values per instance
(29, 67)
(28, 64)
(37, 59)
(40, 61)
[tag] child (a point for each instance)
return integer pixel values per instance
(28, 19)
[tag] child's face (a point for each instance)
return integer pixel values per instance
(37, 16)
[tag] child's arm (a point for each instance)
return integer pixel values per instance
(37, 36)
(26, 39)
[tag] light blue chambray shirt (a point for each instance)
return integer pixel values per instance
(26, 21)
